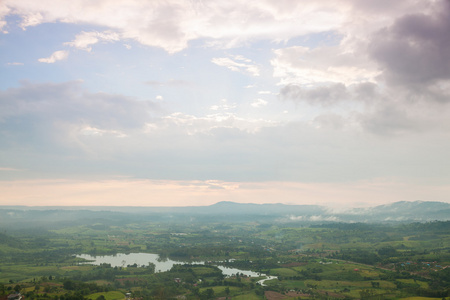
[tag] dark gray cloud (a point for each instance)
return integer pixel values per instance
(38, 112)
(415, 51)
(387, 8)
(332, 121)
(366, 92)
(389, 120)
(412, 91)
(323, 95)
(68, 101)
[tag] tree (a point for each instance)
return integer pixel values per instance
(207, 295)
(68, 284)
(366, 294)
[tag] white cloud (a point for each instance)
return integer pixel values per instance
(172, 24)
(56, 56)
(84, 40)
(4, 11)
(213, 123)
(31, 19)
(265, 93)
(259, 103)
(324, 218)
(15, 64)
(237, 66)
(93, 131)
(301, 65)
(223, 106)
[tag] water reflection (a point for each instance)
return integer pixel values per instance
(162, 264)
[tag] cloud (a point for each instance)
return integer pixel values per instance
(329, 64)
(239, 64)
(169, 83)
(333, 121)
(259, 103)
(31, 19)
(414, 52)
(93, 131)
(57, 55)
(324, 95)
(395, 69)
(4, 11)
(15, 64)
(324, 218)
(212, 124)
(399, 115)
(60, 130)
(59, 114)
(223, 106)
(84, 40)
(172, 24)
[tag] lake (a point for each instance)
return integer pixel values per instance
(142, 259)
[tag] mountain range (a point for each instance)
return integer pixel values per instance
(226, 211)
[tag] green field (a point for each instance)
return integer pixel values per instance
(108, 296)
(356, 261)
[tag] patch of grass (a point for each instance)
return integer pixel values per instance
(77, 268)
(411, 281)
(332, 284)
(101, 282)
(283, 272)
(248, 296)
(419, 298)
(202, 271)
(114, 295)
(220, 290)
(292, 284)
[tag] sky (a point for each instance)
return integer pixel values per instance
(189, 102)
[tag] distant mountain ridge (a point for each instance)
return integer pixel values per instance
(405, 210)
(265, 208)
(227, 211)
